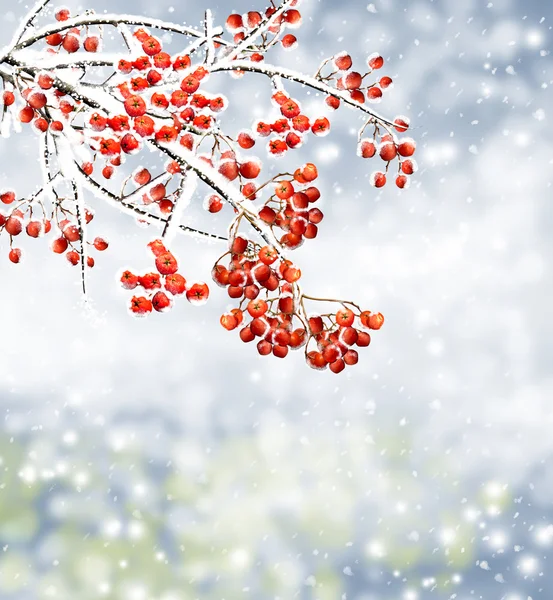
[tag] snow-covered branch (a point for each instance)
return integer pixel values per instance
(115, 20)
(305, 80)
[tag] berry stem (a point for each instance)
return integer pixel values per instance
(332, 300)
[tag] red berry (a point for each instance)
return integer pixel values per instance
(234, 22)
(245, 140)
(151, 46)
(363, 339)
(351, 357)
(337, 366)
(62, 14)
(166, 264)
(309, 172)
(353, 80)
(181, 63)
(91, 43)
(367, 149)
(71, 43)
(7, 197)
(213, 203)
(316, 360)
(229, 169)
(343, 61)
(344, 317)
(333, 102)
(189, 84)
(284, 190)
(264, 348)
(157, 247)
(14, 225)
(378, 179)
(267, 214)
(374, 94)
(388, 151)
(8, 98)
(198, 293)
(408, 167)
(250, 169)
(229, 321)
(406, 147)
(257, 308)
(175, 284)
(100, 244)
(158, 192)
(401, 124)
(26, 114)
(141, 35)
(280, 351)
(44, 81)
(289, 41)
(150, 281)
(166, 206)
(15, 255)
(129, 280)
(135, 106)
(375, 61)
(55, 39)
(246, 334)
(140, 306)
(59, 245)
(71, 232)
(376, 321)
(290, 109)
(161, 302)
(402, 181)
(239, 245)
(348, 336)
(34, 229)
(316, 325)
(268, 255)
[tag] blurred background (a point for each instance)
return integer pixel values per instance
(162, 459)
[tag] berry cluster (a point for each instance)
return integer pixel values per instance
(290, 208)
(158, 290)
(241, 25)
(272, 309)
(389, 149)
(47, 105)
(288, 131)
(74, 39)
(384, 141)
(161, 101)
(67, 236)
(252, 274)
(345, 78)
(336, 334)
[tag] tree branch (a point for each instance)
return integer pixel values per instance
(129, 208)
(208, 25)
(272, 71)
(113, 20)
